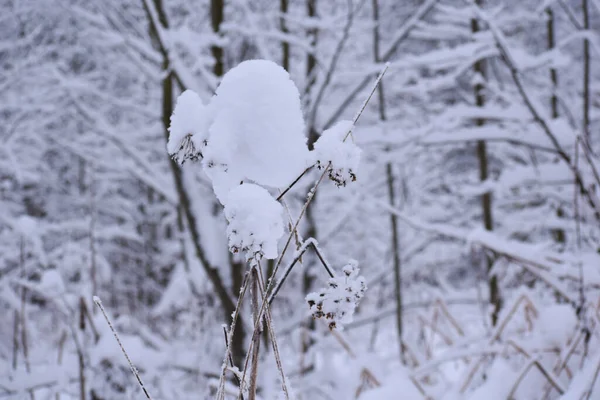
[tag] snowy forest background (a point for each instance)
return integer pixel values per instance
(475, 216)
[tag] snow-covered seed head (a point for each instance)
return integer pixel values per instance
(340, 298)
(341, 156)
(254, 222)
(186, 151)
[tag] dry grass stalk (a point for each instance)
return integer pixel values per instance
(548, 375)
(133, 368)
(523, 299)
(444, 310)
(221, 390)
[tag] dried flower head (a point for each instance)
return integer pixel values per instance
(187, 151)
(337, 302)
(335, 150)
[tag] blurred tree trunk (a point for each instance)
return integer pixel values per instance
(482, 155)
(311, 63)
(586, 76)
(391, 194)
(285, 45)
(236, 268)
(221, 291)
(311, 230)
(559, 234)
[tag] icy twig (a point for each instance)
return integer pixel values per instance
(364, 104)
(256, 342)
(110, 325)
(291, 185)
(237, 378)
(269, 322)
(444, 310)
(304, 247)
(236, 313)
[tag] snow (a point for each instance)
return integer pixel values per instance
(336, 147)
(340, 298)
(252, 129)
(397, 385)
(498, 386)
(255, 222)
(188, 130)
(556, 324)
(52, 283)
(26, 225)
(582, 382)
(258, 127)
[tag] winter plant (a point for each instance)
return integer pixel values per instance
(250, 139)
(470, 193)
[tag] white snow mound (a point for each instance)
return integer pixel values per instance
(258, 128)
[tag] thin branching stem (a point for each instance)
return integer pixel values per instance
(286, 272)
(311, 194)
(236, 313)
(133, 368)
(294, 183)
(237, 378)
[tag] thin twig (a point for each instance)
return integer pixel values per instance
(256, 341)
(308, 242)
(237, 378)
(535, 362)
(364, 104)
(294, 183)
(221, 390)
(110, 325)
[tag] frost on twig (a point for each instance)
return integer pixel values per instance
(343, 156)
(131, 365)
(255, 222)
(337, 302)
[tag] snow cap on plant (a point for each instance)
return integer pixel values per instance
(255, 222)
(251, 130)
(337, 302)
(188, 132)
(336, 147)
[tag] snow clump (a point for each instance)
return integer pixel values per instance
(188, 130)
(340, 298)
(252, 128)
(255, 222)
(336, 147)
